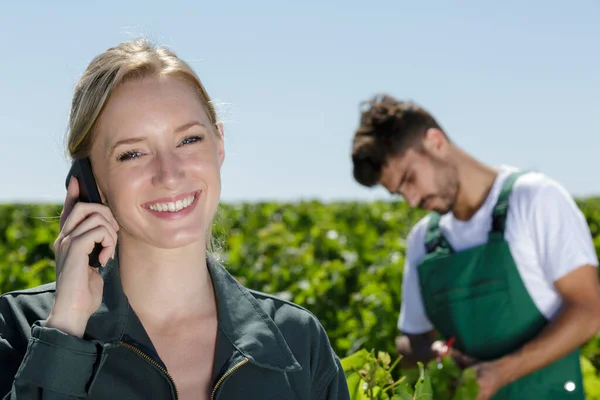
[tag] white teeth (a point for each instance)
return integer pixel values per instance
(173, 206)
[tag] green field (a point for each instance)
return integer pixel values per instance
(342, 261)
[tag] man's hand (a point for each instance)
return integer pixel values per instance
(490, 377)
(441, 349)
(462, 360)
(575, 324)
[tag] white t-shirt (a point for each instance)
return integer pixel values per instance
(546, 232)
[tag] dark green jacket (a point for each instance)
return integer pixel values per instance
(267, 348)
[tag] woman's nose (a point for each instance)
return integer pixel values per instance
(169, 170)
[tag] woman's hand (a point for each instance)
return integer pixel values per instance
(79, 286)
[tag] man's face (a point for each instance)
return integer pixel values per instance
(423, 179)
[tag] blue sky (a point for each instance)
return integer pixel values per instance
(512, 82)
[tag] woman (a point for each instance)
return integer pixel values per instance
(161, 319)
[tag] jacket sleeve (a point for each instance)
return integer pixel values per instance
(328, 377)
(337, 388)
(40, 362)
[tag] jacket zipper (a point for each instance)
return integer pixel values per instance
(231, 371)
(157, 365)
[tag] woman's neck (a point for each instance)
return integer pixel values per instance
(166, 286)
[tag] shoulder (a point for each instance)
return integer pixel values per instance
(36, 300)
(302, 331)
(288, 315)
(535, 190)
(533, 183)
(20, 309)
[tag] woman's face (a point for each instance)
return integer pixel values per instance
(157, 160)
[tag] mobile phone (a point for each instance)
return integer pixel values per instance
(81, 169)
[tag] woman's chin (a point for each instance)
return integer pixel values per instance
(167, 235)
(170, 240)
(179, 241)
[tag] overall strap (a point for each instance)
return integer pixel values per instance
(500, 211)
(435, 240)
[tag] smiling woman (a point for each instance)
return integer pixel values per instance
(161, 319)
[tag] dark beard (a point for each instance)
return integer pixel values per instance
(448, 185)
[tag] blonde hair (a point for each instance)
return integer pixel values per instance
(131, 60)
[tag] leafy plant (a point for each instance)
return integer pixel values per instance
(591, 380)
(451, 382)
(342, 261)
(369, 377)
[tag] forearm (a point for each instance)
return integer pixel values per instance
(53, 362)
(572, 328)
(70, 324)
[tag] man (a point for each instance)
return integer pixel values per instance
(504, 262)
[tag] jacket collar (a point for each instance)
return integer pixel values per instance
(246, 324)
(241, 319)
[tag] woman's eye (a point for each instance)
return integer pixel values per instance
(128, 155)
(191, 139)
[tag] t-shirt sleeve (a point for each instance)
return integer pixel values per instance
(560, 232)
(412, 318)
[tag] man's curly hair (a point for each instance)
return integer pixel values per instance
(387, 127)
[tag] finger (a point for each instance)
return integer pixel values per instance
(461, 357)
(96, 283)
(469, 360)
(70, 200)
(106, 254)
(85, 243)
(482, 396)
(92, 221)
(81, 211)
(457, 355)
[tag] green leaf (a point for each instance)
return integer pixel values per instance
(468, 387)
(355, 387)
(402, 396)
(356, 360)
(423, 389)
(591, 380)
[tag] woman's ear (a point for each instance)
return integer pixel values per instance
(220, 142)
(102, 197)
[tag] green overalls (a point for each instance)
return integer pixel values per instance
(477, 296)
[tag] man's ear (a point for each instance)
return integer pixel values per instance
(435, 142)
